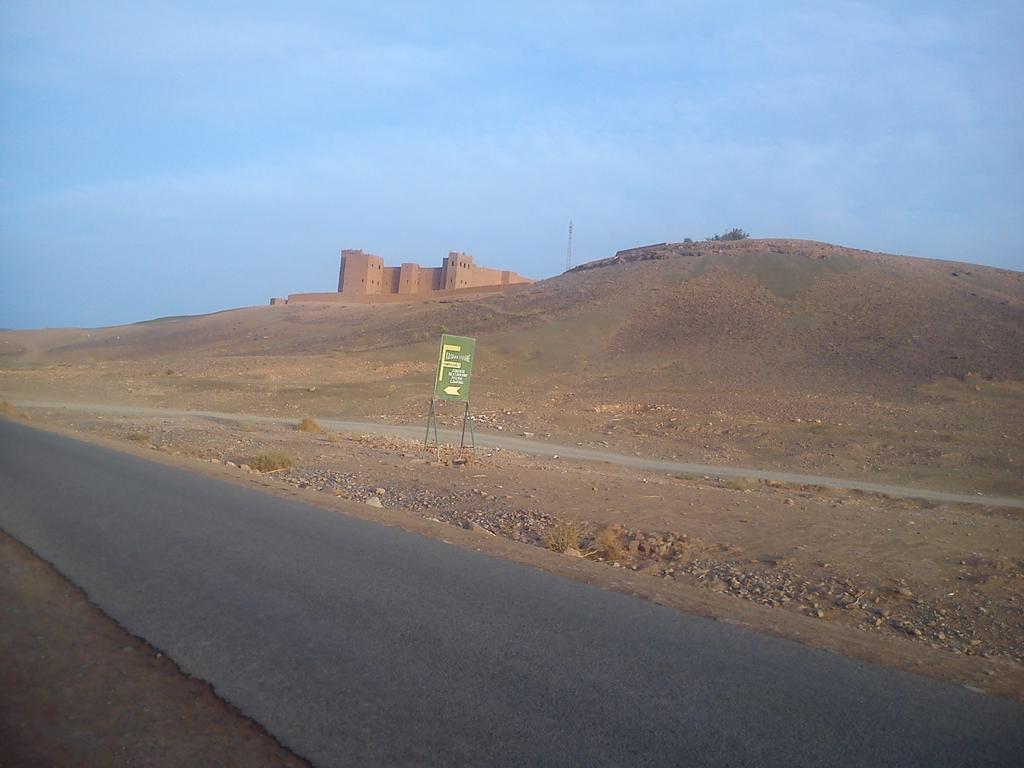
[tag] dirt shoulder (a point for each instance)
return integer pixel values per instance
(80, 691)
(937, 589)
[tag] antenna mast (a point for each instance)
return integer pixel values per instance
(568, 249)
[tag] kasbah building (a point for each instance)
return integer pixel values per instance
(363, 278)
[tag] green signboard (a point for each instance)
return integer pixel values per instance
(454, 366)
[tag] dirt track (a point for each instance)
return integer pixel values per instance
(486, 438)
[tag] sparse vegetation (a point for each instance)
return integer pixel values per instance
(563, 536)
(608, 543)
(138, 437)
(308, 425)
(272, 461)
(733, 234)
(736, 483)
(6, 408)
(169, 372)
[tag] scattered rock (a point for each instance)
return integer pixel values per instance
(790, 581)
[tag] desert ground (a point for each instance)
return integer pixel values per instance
(769, 354)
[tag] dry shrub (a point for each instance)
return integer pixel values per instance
(608, 543)
(308, 425)
(563, 536)
(272, 461)
(7, 409)
(138, 437)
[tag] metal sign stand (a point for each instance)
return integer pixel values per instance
(467, 418)
(472, 434)
(454, 368)
(431, 419)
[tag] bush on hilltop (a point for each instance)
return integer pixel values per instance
(733, 234)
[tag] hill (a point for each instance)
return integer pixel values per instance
(779, 352)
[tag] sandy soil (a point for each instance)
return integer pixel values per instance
(80, 691)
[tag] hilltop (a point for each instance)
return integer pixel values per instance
(764, 350)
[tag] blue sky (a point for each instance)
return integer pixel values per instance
(172, 158)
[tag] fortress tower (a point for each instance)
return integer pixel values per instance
(360, 273)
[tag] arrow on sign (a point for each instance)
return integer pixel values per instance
(451, 390)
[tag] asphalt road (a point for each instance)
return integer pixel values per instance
(360, 645)
(534, 447)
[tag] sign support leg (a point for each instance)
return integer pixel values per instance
(472, 434)
(431, 419)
